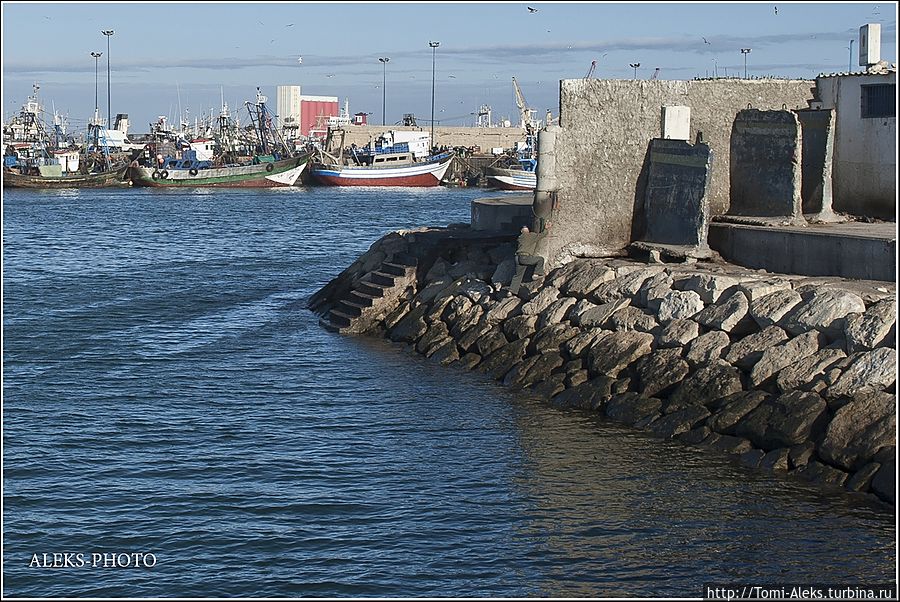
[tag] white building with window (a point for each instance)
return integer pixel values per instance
(864, 158)
(287, 105)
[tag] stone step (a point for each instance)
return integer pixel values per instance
(382, 278)
(405, 259)
(364, 299)
(372, 288)
(349, 308)
(395, 269)
(329, 325)
(339, 318)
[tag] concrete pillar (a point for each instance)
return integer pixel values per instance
(547, 184)
(817, 128)
(676, 122)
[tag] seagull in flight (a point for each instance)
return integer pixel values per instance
(705, 41)
(776, 10)
(299, 59)
(330, 75)
(289, 25)
(531, 10)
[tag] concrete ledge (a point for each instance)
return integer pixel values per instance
(503, 214)
(851, 250)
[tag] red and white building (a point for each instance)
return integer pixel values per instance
(309, 114)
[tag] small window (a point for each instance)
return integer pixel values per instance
(879, 100)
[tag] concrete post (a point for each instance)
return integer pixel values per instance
(547, 184)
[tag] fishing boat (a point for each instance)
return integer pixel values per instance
(393, 159)
(265, 161)
(35, 158)
(263, 171)
(13, 178)
(521, 175)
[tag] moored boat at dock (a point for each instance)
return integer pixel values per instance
(386, 162)
(521, 176)
(106, 179)
(265, 172)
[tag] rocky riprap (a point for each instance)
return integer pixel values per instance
(789, 374)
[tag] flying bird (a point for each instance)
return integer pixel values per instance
(531, 10)
(776, 10)
(289, 25)
(330, 75)
(299, 59)
(452, 76)
(705, 41)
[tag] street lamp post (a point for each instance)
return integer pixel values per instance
(384, 62)
(850, 64)
(433, 45)
(635, 67)
(745, 52)
(108, 33)
(96, 56)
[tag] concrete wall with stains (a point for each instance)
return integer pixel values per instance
(602, 149)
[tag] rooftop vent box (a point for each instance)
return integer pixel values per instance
(869, 44)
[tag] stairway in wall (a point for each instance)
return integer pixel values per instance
(373, 297)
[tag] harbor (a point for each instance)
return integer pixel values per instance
(381, 327)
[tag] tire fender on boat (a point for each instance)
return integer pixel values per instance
(164, 174)
(193, 171)
(155, 175)
(270, 166)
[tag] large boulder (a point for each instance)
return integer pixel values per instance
(631, 408)
(631, 318)
(500, 361)
(519, 327)
(707, 348)
(709, 286)
(586, 279)
(660, 371)
(491, 341)
(859, 430)
(556, 312)
(680, 421)
(876, 369)
(727, 315)
(505, 308)
(676, 305)
(411, 327)
(884, 483)
(790, 419)
(551, 337)
(588, 395)
(677, 333)
(823, 310)
(870, 329)
(613, 353)
(625, 286)
(802, 374)
(781, 356)
(579, 309)
(600, 314)
(770, 309)
(578, 346)
(733, 408)
(747, 351)
(541, 301)
(653, 290)
(709, 383)
(436, 335)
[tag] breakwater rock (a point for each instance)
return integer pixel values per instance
(789, 374)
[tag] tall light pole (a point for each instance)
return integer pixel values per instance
(384, 62)
(96, 56)
(745, 52)
(635, 67)
(108, 33)
(433, 45)
(850, 64)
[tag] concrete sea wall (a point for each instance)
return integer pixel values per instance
(788, 374)
(602, 152)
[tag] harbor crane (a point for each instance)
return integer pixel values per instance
(591, 70)
(526, 114)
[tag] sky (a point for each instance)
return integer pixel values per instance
(171, 58)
